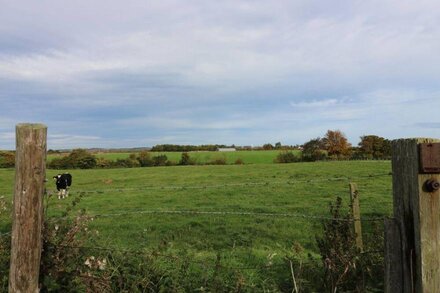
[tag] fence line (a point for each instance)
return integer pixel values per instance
(232, 213)
(320, 204)
(240, 184)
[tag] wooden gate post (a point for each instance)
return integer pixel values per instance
(416, 199)
(356, 211)
(27, 219)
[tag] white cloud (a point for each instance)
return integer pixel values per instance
(314, 103)
(167, 123)
(72, 141)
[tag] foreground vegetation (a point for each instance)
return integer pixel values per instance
(211, 228)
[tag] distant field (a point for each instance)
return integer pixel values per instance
(248, 157)
(127, 197)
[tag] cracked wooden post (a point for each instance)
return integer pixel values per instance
(356, 211)
(27, 221)
(416, 200)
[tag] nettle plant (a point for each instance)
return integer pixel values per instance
(5, 243)
(65, 264)
(346, 268)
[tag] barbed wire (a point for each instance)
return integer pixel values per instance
(238, 184)
(322, 204)
(233, 213)
(5, 234)
(372, 252)
(236, 213)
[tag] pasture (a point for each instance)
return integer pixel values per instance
(248, 157)
(249, 215)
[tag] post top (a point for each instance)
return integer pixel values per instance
(417, 140)
(31, 125)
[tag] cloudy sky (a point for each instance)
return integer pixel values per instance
(138, 73)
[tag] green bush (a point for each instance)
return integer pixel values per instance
(5, 248)
(103, 163)
(286, 157)
(7, 159)
(346, 269)
(160, 160)
(316, 155)
(239, 162)
(65, 262)
(77, 159)
(126, 163)
(186, 160)
(219, 160)
(145, 159)
(5, 243)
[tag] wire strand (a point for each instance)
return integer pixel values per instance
(224, 213)
(5, 234)
(240, 184)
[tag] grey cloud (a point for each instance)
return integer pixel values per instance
(255, 70)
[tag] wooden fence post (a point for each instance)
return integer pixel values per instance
(356, 211)
(417, 215)
(27, 219)
(393, 257)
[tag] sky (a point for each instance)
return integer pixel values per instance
(138, 73)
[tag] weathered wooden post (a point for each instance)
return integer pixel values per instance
(356, 211)
(415, 260)
(27, 222)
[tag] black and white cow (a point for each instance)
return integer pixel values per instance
(63, 182)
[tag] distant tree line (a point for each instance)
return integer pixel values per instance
(82, 159)
(215, 147)
(333, 146)
(277, 146)
(187, 148)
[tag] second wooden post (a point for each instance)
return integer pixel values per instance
(356, 211)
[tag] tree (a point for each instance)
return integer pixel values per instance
(186, 160)
(336, 144)
(278, 145)
(375, 147)
(268, 147)
(145, 159)
(160, 160)
(286, 157)
(313, 150)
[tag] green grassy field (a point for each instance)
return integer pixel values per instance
(248, 157)
(136, 204)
